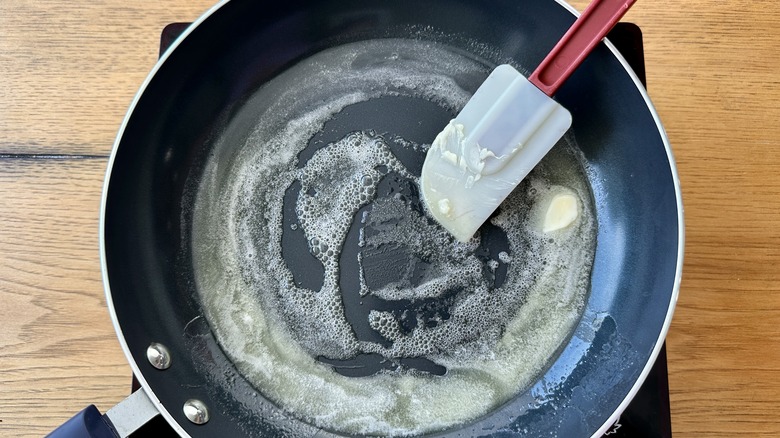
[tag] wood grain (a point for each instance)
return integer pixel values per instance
(68, 71)
(58, 352)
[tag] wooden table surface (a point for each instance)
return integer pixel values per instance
(69, 70)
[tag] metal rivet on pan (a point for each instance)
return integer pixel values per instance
(158, 356)
(196, 411)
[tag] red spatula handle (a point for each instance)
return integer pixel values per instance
(581, 38)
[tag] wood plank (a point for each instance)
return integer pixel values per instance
(69, 70)
(58, 349)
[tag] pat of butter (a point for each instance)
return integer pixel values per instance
(451, 157)
(445, 207)
(561, 213)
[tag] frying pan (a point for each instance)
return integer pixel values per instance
(179, 121)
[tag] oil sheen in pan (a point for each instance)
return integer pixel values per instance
(482, 319)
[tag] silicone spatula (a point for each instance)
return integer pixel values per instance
(506, 128)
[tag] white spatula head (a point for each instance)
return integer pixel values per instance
(506, 128)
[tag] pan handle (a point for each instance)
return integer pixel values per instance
(119, 422)
(88, 423)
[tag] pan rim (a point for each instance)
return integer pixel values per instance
(158, 65)
(103, 202)
(612, 419)
(680, 241)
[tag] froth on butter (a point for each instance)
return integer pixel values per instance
(250, 301)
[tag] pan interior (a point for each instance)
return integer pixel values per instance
(328, 285)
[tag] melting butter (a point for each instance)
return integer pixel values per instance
(496, 341)
(561, 213)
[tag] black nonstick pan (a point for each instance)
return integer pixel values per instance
(250, 77)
